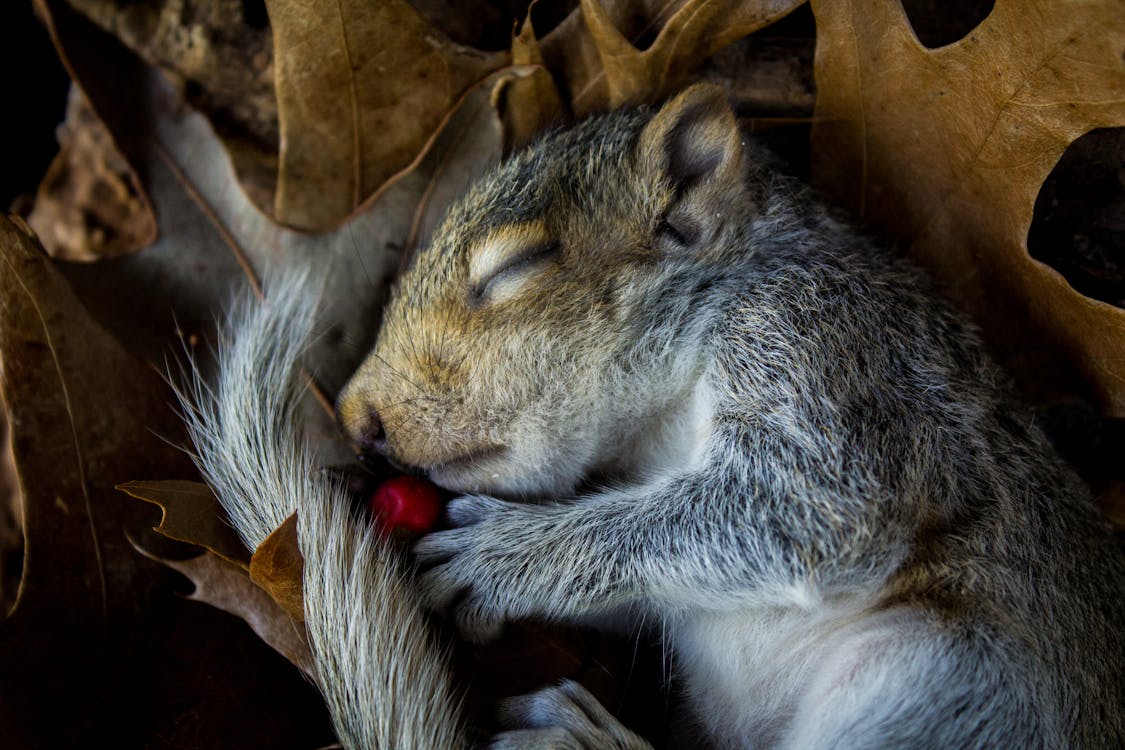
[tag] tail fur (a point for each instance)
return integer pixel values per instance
(383, 675)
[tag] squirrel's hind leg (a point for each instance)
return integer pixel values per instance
(565, 716)
(923, 685)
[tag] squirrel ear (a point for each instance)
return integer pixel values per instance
(693, 137)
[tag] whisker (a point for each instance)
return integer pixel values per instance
(395, 371)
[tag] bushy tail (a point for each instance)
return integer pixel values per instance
(381, 671)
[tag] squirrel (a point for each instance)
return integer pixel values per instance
(666, 382)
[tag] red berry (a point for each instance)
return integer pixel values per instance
(406, 502)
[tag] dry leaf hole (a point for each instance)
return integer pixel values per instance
(1079, 222)
(254, 14)
(35, 88)
(937, 23)
(488, 26)
(1089, 441)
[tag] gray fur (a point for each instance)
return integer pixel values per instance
(814, 476)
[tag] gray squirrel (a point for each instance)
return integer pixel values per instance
(667, 383)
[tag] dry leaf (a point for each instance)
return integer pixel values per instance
(192, 514)
(93, 628)
(695, 31)
(531, 103)
(277, 566)
(946, 149)
(603, 60)
(79, 407)
(106, 131)
(220, 52)
(228, 587)
(356, 101)
(11, 521)
(89, 204)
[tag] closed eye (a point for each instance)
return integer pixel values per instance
(510, 269)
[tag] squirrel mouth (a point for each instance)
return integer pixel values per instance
(467, 459)
(456, 474)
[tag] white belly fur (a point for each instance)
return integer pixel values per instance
(746, 671)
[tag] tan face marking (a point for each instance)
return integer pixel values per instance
(503, 262)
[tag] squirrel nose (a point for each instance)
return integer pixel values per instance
(374, 438)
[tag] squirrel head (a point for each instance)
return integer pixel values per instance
(557, 315)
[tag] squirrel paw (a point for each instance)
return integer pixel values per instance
(565, 716)
(479, 572)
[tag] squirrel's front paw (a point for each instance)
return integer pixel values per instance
(480, 572)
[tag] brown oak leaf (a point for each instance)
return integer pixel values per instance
(192, 514)
(532, 102)
(602, 55)
(361, 87)
(89, 204)
(277, 567)
(946, 150)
